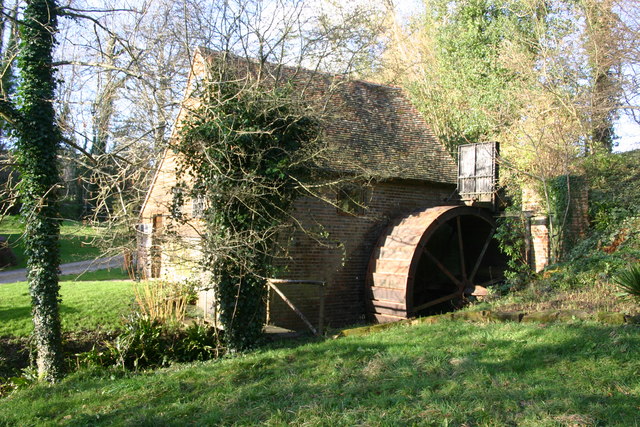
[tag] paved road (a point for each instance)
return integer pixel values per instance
(70, 268)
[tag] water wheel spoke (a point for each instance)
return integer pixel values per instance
(490, 282)
(445, 270)
(463, 267)
(436, 301)
(482, 254)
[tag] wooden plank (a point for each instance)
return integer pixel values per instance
(321, 310)
(443, 269)
(391, 311)
(477, 291)
(388, 280)
(435, 301)
(482, 253)
(389, 294)
(386, 318)
(296, 282)
(477, 171)
(397, 253)
(402, 238)
(291, 306)
(390, 304)
(463, 265)
(392, 266)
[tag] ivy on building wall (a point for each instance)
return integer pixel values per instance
(564, 198)
(512, 236)
(243, 151)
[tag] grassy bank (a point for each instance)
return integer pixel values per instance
(585, 279)
(452, 373)
(542, 295)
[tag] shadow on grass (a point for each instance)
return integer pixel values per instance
(15, 313)
(457, 372)
(16, 322)
(73, 247)
(24, 312)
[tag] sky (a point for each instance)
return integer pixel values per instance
(628, 132)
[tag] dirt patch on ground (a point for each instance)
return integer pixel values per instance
(600, 297)
(14, 356)
(15, 352)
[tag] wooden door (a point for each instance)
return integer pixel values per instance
(156, 247)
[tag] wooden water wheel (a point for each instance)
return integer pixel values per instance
(432, 258)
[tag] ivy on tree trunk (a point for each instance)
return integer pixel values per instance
(37, 143)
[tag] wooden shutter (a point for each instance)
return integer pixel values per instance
(477, 172)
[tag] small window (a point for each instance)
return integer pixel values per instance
(351, 200)
(198, 207)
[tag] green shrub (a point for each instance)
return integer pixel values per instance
(140, 344)
(11, 384)
(629, 281)
(510, 234)
(146, 343)
(198, 342)
(614, 193)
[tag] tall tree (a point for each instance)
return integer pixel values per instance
(8, 47)
(459, 81)
(603, 46)
(32, 119)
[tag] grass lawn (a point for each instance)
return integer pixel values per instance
(98, 275)
(86, 306)
(75, 241)
(450, 373)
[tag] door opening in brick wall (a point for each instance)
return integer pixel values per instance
(156, 247)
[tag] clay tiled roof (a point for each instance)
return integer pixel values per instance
(369, 129)
(375, 128)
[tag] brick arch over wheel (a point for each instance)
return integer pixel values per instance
(429, 257)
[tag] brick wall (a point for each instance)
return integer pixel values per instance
(539, 243)
(370, 129)
(575, 228)
(532, 200)
(178, 243)
(578, 223)
(342, 259)
(533, 203)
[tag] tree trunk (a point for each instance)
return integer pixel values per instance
(603, 44)
(37, 149)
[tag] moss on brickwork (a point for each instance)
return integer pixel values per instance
(549, 316)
